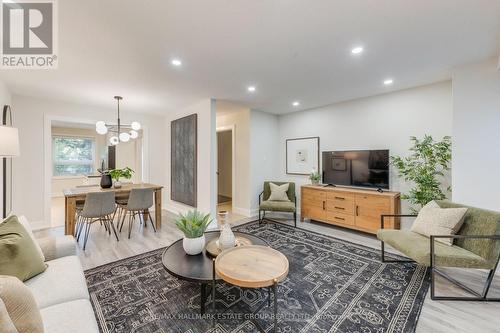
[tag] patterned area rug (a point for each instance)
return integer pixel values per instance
(332, 286)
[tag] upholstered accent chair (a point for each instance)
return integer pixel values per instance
(476, 245)
(266, 205)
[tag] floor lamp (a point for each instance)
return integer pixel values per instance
(9, 147)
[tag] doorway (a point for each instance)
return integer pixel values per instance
(224, 169)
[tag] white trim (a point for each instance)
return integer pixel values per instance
(231, 128)
(47, 151)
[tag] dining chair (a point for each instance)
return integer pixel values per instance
(138, 204)
(99, 206)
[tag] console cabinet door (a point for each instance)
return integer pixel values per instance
(368, 209)
(313, 204)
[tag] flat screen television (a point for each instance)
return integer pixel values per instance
(361, 168)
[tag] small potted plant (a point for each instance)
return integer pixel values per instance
(116, 174)
(314, 176)
(193, 224)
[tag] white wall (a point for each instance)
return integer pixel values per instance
(476, 135)
(206, 186)
(380, 122)
(265, 145)
(237, 116)
(5, 98)
(32, 117)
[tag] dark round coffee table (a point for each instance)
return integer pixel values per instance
(199, 268)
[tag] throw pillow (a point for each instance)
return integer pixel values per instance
(21, 305)
(278, 192)
(6, 324)
(434, 220)
(19, 256)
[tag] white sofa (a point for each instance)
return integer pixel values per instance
(61, 291)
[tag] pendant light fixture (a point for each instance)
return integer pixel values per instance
(121, 132)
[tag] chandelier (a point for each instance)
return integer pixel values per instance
(119, 132)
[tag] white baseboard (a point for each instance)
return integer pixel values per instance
(39, 225)
(242, 211)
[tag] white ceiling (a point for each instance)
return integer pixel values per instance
(289, 49)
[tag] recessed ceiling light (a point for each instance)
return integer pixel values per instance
(296, 103)
(251, 88)
(176, 62)
(357, 50)
(388, 82)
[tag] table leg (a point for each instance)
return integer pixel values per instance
(158, 209)
(203, 298)
(70, 211)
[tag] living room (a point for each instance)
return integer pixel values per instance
(353, 191)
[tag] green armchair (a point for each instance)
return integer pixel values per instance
(477, 245)
(266, 205)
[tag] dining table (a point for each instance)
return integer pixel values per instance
(76, 195)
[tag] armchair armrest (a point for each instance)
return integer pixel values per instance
(57, 247)
(383, 216)
(433, 237)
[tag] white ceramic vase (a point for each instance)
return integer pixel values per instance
(226, 238)
(194, 246)
(117, 184)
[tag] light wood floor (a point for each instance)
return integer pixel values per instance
(466, 317)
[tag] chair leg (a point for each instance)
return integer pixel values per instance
(123, 215)
(150, 220)
(131, 217)
(112, 225)
(295, 219)
(260, 218)
(83, 223)
(87, 232)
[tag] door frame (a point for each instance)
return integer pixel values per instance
(233, 160)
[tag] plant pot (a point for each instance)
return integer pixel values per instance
(106, 181)
(117, 184)
(315, 182)
(193, 246)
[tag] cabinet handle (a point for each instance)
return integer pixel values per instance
(357, 210)
(339, 198)
(324, 205)
(339, 208)
(339, 218)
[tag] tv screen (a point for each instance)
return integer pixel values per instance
(363, 168)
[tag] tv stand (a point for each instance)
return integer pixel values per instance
(379, 190)
(329, 185)
(358, 209)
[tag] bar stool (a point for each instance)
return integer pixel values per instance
(138, 204)
(99, 206)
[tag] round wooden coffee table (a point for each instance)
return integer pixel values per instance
(253, 266)
(198, 268)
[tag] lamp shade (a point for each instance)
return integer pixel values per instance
(9, 141)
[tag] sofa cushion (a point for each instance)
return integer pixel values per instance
(434, 220)
(20, 256)
(20, 304)
(70, 317)
(278, 192)
(278, 206)
(63, 281)
(417, 247)
(6, 324)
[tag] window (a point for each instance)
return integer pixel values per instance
(72, 156)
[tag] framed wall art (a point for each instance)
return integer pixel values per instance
(302, 155)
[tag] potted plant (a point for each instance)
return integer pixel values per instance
(314, 176)
(116, 174)
(426, 169)
(106, 181)
(193, 224)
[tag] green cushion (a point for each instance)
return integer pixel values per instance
(278, 206)
(478, 221)
(417, 247)
(18, 253)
